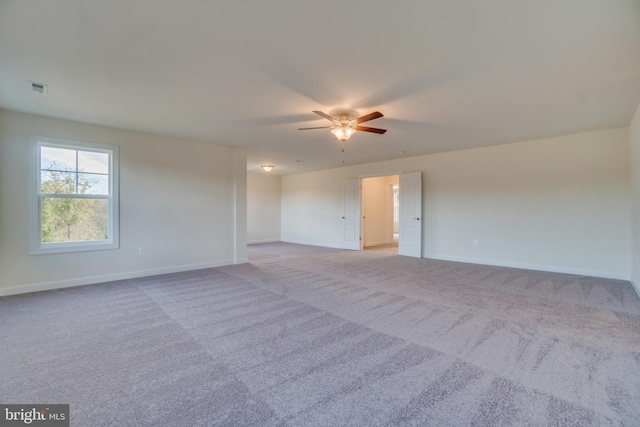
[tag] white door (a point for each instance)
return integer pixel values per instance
(351, 214)
(410, 221)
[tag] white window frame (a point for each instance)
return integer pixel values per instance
(36, 246)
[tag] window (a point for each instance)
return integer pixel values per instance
(74, 196)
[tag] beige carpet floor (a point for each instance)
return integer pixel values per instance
(313, 336)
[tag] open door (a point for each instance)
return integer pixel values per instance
(351, 214)
(410, 221)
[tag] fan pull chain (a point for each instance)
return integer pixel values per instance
(343, 152)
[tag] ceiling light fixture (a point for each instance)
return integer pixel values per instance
(267, 168)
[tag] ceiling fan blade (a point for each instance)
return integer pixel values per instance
(368, 129)
(326, 116)
(366, 118)
(320, 127)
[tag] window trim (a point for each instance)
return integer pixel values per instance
(36, 246)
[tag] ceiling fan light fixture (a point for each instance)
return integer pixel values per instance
(267, 168)
(343, 126)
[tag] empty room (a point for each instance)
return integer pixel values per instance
(320, 214)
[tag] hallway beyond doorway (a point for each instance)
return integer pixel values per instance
(387, 247)
(379, 208)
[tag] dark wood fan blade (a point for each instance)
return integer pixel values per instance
(366, 118)
(368, 129)
(326, 116)
(320, 127)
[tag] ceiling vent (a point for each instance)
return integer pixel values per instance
(39, 87)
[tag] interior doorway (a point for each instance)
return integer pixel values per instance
(380, 213)
(355, 226)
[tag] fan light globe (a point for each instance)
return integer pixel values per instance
(343, 133)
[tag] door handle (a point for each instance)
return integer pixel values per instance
(343, 217)
(417, 219)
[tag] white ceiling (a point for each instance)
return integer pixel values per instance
(446, 74)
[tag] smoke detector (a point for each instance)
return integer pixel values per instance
(39, 87)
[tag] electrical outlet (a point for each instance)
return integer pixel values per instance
(476, 242)
(141, 251)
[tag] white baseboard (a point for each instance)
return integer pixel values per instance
(636, 287)
(60, 284)
(256, 242)
(526, 266)
(324, 245)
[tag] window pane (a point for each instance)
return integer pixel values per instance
(89, 161)
(57, 158)
(93, 184)
(74, 220)
(57, 182)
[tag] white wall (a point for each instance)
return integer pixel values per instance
(634, 142)
(378, 210)
(179, 199)
(263, 208)
(559, 204)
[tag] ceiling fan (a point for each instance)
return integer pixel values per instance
(344, 126)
